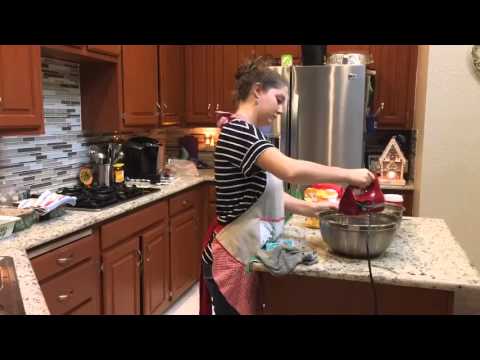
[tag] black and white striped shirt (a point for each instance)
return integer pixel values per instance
(239, 182)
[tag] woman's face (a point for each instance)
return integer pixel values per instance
(271, 103)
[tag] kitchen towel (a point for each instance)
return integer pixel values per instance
(283, 259)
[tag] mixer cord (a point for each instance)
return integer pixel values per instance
(374, 291)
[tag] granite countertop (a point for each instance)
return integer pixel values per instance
(42, 233)
(423, 254)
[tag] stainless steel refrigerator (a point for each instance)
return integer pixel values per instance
(324, 120)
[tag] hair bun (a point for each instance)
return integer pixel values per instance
(252, 65)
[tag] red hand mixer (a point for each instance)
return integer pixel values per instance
(369, 200)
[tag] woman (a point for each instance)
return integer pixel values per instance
(250, 199)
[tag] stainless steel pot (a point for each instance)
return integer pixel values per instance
(350, 59)
(347, 235)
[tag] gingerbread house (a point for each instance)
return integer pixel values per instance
(392, 164)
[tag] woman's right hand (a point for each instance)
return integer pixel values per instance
(360, 177)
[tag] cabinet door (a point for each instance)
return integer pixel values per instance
(228, 58)
(396, 67)
(21, 105)
(184, 251)
(172, 83)
(140, 85)
(113, 50)
(121, 279)
(155, 248)
(199, 68)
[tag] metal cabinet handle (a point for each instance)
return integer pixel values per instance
(380, 109)
(64, 297)
(140, 259)
(185, 202)
(165, 106)
(209, 106)
(65, 260)
(158, 106)
(218, 106)
(1, 99)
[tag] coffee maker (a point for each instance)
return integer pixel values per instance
(143, 159)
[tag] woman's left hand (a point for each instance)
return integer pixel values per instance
(315, 208)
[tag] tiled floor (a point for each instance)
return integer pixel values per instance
(188, 304)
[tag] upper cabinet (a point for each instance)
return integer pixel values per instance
(171, 62)
(396, 69)
(113, 50)
(210, 79)
(140, 86)
(199, 84)
(21, 103)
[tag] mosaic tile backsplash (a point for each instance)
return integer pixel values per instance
(49, 161)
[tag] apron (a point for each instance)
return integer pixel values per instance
(236, 243)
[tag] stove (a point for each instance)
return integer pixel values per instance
(11, 302)
(101, 197)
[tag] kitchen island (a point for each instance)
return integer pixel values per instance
(424, 271)
(423, 259)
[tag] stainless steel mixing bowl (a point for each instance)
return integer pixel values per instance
(347, 235)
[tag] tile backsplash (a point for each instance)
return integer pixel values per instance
(52, 160)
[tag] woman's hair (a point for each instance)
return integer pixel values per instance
(256, 71)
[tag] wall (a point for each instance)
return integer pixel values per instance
(448, 123)
(52, 160)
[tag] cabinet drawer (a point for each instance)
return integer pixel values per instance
(66, 257)
(123, 228)
(184, 201)
(212, 196)
(78, 285)
(88, 308)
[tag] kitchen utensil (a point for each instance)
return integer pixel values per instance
(368, 200)
(100, 158)
(348, 235)
(104, 175)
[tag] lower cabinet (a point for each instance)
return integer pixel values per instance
(137, 264)
(184, 253)
(156, 269)
(121, 279)
(69, 276)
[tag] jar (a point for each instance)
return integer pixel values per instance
(394, 199)
(118, 173)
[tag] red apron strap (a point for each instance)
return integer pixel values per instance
(205, 300)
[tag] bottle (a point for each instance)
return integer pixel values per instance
(118, 173)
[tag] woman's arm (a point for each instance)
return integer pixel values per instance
(307, 172)
(305, 208)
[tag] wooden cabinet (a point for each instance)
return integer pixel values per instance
(156, 268)
(211, 204)
(121, 278)
(21, 103)
(210, 79)
(69, 277)
(171, 62)
(396, 69)
(363, 49)
(199, 84)
(113, 50)
(184, 251)
(140, 86)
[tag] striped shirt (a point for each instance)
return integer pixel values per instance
(239, 182)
